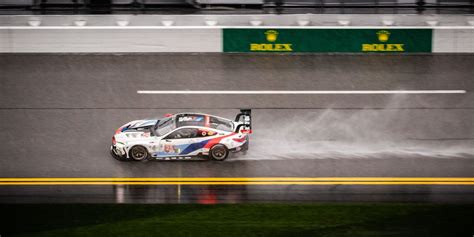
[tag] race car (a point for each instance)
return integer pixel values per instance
(182, 136)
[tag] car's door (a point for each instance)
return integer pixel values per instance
(175, 143)
(205, 134)
(204, 138)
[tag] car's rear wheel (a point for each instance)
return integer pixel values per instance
(139, 153)
(219, 152)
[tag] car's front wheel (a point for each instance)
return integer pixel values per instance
(139, 153)
(219, 152)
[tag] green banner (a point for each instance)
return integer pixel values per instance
(327, 40)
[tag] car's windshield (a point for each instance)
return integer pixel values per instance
(164, 126)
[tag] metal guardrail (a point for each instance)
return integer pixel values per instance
(267, 6)
(203, 21)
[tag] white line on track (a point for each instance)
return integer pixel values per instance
(186, 92)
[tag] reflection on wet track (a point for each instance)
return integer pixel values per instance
(209, 194)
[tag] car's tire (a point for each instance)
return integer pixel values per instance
(139, 153)
(219, 152)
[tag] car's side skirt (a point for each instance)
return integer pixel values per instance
(195, 157)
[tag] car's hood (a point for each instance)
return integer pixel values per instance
(133, 136)
(142, 123)
(135, 130)
(137, 125)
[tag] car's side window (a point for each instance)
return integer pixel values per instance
(183, 133)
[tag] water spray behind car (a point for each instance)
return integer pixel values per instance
(359, 133)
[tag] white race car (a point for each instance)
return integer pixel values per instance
(182, 136)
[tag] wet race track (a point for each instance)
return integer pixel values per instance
(59, 112)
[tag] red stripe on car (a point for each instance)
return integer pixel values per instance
(216, 140)
(239, 139)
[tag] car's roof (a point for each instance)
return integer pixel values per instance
(200, 120)
(198, 114)
(199, 127)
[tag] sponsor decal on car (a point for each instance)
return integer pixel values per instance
(171, 149)
(174, 158)
(191, 118)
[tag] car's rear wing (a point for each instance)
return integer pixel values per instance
(244, 118)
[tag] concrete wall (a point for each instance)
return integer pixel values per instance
(110, 40)
(164, 40)
(453, 41)
(202, 33)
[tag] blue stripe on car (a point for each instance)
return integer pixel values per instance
(194, 146)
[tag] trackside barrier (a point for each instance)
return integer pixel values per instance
(108, 40)
(453, 41)
(328, 40)
(116, 39)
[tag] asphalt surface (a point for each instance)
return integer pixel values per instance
(58, 113)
